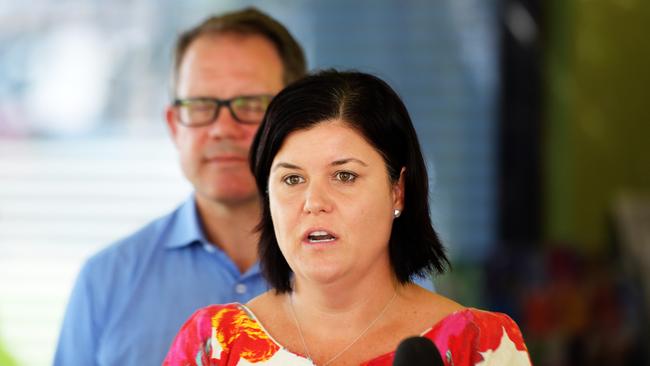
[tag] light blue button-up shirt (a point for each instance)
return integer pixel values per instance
(131, 298)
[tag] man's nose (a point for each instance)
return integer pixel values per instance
(225, 125)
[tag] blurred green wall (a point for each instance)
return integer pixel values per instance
(597, 134)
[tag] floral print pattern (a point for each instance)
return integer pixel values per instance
(230, 335)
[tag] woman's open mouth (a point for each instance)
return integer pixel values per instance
(320, 236)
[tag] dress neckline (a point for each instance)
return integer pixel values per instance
(252, 315)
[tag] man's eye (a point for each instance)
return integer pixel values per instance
(293, 180)
(346, 177)
(250, 105)
(258, 104)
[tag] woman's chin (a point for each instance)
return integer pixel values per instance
(324, 275)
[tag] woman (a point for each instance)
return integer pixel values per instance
(345, 229)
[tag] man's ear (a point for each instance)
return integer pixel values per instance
(170, 118)
(398, 191)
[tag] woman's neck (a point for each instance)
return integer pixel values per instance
(354, 300)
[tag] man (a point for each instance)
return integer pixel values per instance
(131, 298)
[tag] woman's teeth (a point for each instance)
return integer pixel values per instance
(320, 237)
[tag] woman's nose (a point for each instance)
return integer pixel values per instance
(317, 199)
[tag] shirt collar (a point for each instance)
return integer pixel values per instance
(186, 226)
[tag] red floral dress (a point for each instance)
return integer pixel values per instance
(230, 335)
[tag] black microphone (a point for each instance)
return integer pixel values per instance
(417, 351)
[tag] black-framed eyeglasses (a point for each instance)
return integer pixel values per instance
(202, 111)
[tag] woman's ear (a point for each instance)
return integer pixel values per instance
(398, 191)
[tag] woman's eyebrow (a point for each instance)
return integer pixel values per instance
(347, 160)
(284, 165)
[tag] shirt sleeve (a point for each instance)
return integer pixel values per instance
(191, 346)
(484, 338)
(77, 343)
(504, 344)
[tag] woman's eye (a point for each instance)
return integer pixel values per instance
(293, 180)
(346, 177)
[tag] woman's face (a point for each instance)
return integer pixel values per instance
(332, 204)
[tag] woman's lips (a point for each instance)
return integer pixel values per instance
(319, 236)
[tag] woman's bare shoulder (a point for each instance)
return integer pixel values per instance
(428, 307)
(266, 308)
(258, 301)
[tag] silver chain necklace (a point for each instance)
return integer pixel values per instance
(304, 344)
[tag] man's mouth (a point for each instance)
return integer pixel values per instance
(226, 158)
(225, 152)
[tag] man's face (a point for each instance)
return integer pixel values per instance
(214, 158)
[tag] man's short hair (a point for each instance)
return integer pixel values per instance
(248, 21)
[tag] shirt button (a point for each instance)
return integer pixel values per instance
(240, 288)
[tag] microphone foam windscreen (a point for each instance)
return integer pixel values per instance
(417, 351)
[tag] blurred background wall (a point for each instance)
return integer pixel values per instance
(85, 157)
(530, 114)
(574, 181)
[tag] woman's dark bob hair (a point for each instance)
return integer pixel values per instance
(368, 105)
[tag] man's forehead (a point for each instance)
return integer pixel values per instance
(229, 61)
(226, 48)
